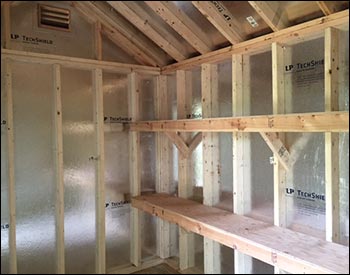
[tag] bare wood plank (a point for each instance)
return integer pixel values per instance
(130, 269)
(242, 202)
(134, 169)
(272, 13)
(278, 105)
(163, 165)
(11, 168)
(332, 139)
(211, 177)
(294, 34)
(281, 247)
(98, 41)
(327, 7)
(145, 23)
(75, 62)
(184, 105)
(100, 172)
(277, 147)
(179, 143)
(222, 19)
(58, 150)
(110, 19)
(304, 122)
(182, 24)
(7, 24)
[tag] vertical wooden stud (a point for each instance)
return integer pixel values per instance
(332, 139)
(134, 169)
(100, 169)
(211, 177)
(163, 166)
(241, 151)
(98, 41)
(58, 160)
(11, 168)
(186, 239)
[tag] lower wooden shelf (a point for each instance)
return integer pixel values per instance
(291, 251)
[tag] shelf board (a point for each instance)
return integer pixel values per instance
(291, 251)
(304, 122)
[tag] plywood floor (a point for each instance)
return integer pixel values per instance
(158, 269)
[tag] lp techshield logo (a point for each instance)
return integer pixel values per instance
(310, 196)
(30, 40)
(305, 66)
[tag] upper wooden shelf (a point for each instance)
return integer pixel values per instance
(304, 122)
(291, 251)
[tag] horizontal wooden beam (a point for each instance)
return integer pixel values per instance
(294, 34)
(305, 122)
(291, 251)
(130, 269)
(78, 63)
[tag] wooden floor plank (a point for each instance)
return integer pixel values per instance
(284, 248)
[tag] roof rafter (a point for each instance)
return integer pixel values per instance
(222, 19)
(182, 24)
(272, 13)
(148, 25)
(119, 29)
(327, 7)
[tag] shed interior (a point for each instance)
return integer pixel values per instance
(167, 137)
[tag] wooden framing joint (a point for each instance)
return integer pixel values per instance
(277, 147)
(184, 148)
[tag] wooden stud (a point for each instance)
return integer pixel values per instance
(294, 34)
(11, 168)
(184, 105)
(278, 108)
(148, 26)
(332, 139)
(182, 24)
(97, 84)
(98, 41)
(163, 166)
(302, 122)
(274, 245)
(211, 176)
(222, 19)
(134, 169)
(78, 63)
(242, 201)
(279, 172)
(272, 13)
(7, 24)
(58, 150)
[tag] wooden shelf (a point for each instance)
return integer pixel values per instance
(304, 122)
(291, 251)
